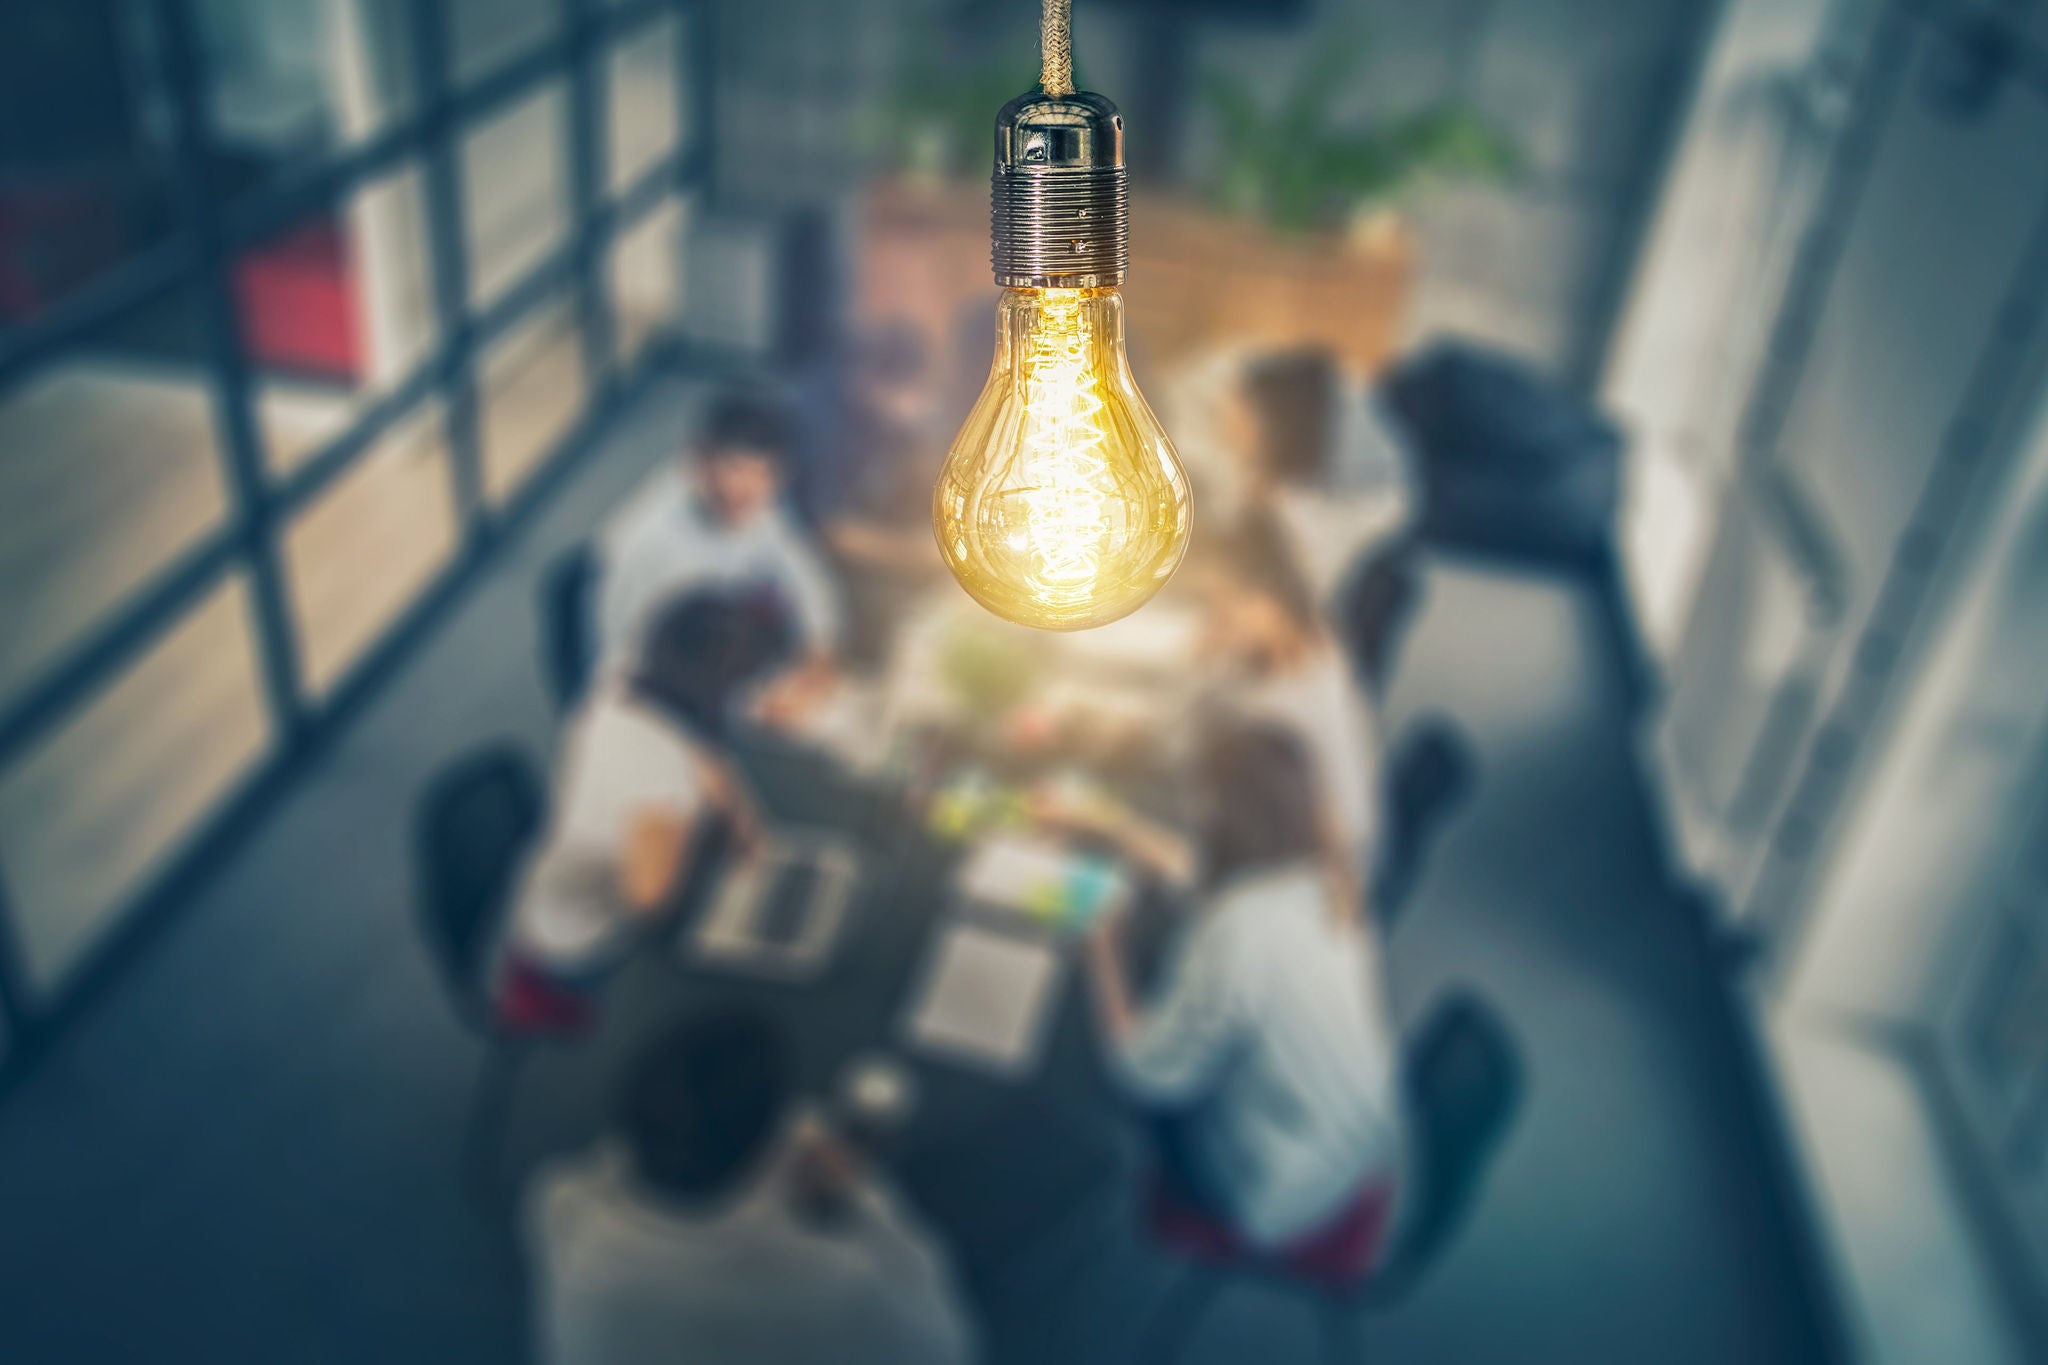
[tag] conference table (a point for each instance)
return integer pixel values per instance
(1005, 1166)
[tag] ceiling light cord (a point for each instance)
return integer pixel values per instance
(1056, 42)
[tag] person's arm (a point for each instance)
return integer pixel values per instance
(654, 860)
(671, 785)
(1171, 1053)
(1110, 985)
(727, 793)
(880, 547)
(810, 590)
(1154, 848)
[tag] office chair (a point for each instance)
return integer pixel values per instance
(568, 636)
(1462, 1082)
(1432, 772)
(1376, 607)
(475, 819)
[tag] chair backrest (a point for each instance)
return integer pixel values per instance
(1467, 406)
(474, 821)
(1462, 1080)
(1432, 772)
(1377, 604)
(568, 637)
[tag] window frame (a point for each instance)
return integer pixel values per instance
(199, 254)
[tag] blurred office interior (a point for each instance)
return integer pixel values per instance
(329, 327)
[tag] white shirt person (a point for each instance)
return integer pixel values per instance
(1272, 1027)
(718, 1229)
(715, 518)
(1268, 1055)
(642, 770)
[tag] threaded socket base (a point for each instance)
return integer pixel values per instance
(1062, 229)
(1059, 211)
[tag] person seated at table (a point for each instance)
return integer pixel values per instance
(874, 453)
(643, 768)
(1323, 457)
(716, 518)
(878, 454)
(1282, 665)
(719, 1226)
(1267, 1059)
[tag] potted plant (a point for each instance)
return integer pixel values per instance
(1261, 258)
(1298, 241)
(1299, 171)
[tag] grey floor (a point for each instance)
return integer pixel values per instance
(243, 1152)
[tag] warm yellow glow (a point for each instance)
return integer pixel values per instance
(1062, 504)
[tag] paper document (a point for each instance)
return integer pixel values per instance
(986, 999)
(1044, 880)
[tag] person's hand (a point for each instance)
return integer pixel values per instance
(734, 801)
(796, 693)
(825, 1171)
(1030, 729)
(1106, 932)
(1068, 807)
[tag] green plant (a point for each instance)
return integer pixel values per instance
(989, 670)
(1293, 168)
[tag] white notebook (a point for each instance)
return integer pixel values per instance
(986, 999)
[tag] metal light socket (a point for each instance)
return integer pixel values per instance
(1059, 205)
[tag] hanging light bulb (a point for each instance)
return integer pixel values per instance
(1062, 504)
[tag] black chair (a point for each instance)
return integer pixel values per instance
(1376, 607)
(1462, 1082)
(474, 821)
(568, 636)
(1432, 772)
(1512, 463)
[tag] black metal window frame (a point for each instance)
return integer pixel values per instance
(199, 256)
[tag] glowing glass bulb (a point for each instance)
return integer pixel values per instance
(1062, 504)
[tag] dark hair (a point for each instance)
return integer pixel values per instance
(702, 1103)
(1293, 398)
(746, 420)
(704, 648)
(1253, 555)
(1264, 807)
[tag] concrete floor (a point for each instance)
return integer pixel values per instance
(244, 1152)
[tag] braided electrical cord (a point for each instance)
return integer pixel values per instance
(1056, 41)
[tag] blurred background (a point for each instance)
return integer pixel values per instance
(1707, 335)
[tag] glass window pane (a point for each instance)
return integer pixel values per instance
(335, 310)
(88, 175)
(532, 393)
(292, 82)
(515, 192)
(645, 273)
(362, 553)
(486, 34)
(89, 813)
(109, 468)
(642, 93)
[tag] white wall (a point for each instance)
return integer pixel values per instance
(1762, 539)
(1926, 858)
(1836, 542)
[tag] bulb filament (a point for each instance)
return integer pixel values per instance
(1066, 484)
